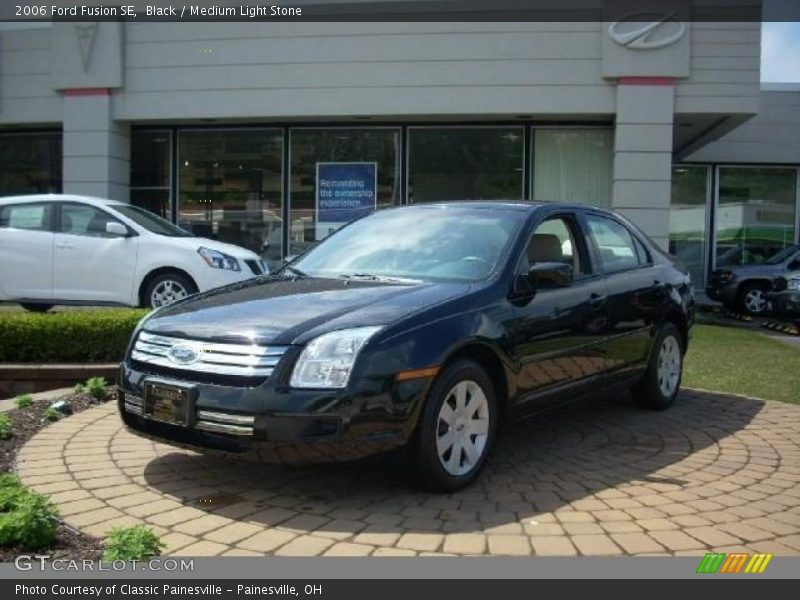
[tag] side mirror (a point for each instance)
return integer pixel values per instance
(117, 229)
(289, 259)
(550, 274)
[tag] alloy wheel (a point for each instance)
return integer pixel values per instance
(462, 428)
(755, 300)
(167, 292)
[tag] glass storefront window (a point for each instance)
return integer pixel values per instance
(30, 163)
(338, 174)
(573, 165)
(755, 213)
(687, 219)
(230, 187)
(465, 163)
(150, 177)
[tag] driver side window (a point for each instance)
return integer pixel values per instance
(553, 241)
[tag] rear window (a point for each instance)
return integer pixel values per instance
(28, 216)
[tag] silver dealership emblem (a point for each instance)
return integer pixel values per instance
(636, 33)
(182, 354)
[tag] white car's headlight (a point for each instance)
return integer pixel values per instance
(793, 284)
(327, 361)
(219, 260)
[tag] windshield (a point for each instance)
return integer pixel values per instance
(782, 255)
(150, 221)
(417, 243)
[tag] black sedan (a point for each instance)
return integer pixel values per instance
(424, 326)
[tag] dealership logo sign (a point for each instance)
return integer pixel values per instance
(637, 33)
(86, 32)
(182, 355)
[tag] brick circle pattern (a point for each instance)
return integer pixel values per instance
(714, 472)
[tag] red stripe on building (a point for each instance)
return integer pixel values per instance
(75, 92)
(646, 81)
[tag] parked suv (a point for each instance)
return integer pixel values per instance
(63, 249)
(745, 288)
(421, 326)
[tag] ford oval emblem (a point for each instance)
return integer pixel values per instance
(182, 355)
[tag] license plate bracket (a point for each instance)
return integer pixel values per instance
(169, 402)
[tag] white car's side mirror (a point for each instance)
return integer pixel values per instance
(115, 228)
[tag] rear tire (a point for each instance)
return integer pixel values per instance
(662, 381)
(457, 428)
(166, 288)
(36, 308)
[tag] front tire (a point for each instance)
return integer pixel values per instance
(167, 288)
(753, 298)
(457, 428)
(662, 380)
(36, 308)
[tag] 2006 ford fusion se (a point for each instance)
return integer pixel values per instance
(424, 326)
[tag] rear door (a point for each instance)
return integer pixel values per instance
(26, 251)
(559, 334)
(636, 294)
(90, 264)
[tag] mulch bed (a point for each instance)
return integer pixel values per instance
(69, 544)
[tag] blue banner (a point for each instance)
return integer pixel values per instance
(345, 191)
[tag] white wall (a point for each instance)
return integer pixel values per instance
(285, 70)
(26, 91)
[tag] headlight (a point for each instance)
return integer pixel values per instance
(327, 361)
(793, 284)
(219, 260)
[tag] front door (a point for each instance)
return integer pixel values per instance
(26, 251)
(91, 265)
(558, 335)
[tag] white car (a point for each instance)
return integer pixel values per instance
(66, 249)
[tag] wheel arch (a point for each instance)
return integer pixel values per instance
(161, 271)
(489, 359)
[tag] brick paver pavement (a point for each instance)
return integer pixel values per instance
(712, 472)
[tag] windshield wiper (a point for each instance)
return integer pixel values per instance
(373, 277)
(296, 271)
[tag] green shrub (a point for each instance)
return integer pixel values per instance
(97, 387)
(6, 427)
(51, 414)
(132, 543)
(79, 389)
(27, 519)
(69, 336)
(24, 401)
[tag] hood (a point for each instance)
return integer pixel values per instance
(748, 271)
(283, 311)
(193, 243)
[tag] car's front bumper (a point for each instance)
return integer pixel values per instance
(273, 423)
(785, 303)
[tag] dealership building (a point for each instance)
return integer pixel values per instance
(263, 134)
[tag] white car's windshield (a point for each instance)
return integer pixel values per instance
(419, 243)
(152, 222)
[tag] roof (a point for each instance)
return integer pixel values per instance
(58, 198)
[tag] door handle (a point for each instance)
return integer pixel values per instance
(64, 245)
(596, 300)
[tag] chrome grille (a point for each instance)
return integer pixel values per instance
(243, 360)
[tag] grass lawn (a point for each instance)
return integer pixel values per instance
(740, 361)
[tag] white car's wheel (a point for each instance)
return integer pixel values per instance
(167, 288)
